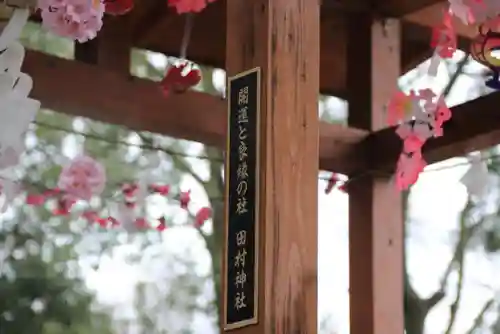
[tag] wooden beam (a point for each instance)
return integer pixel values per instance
(80, 89)
(208, 48)
(111, 48)
(148, 22)
(375, 218)
(400, 8)
(474, 126)
(283, 38)
(383, 8)
(433, 15)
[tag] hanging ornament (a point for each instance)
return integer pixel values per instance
(189, 6)
(483, 49)
(82, 178)
(476, 179)
(9, 190)
(182, 76)
(78, 20)
(444, 42)
(179, 78)
(203, 214)
(17, 111)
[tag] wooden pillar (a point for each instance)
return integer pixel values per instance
(282, 38)
(375, 217)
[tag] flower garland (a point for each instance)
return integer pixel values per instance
(420, 115)
(82, 179)
(81, 20)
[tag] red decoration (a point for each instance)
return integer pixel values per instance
(332, 182)
(118, 7)
(65, 202)
(162, 226)
(64, 205)
(444, 38)
(188, 6)
(185, 198)
(35, 200)
(202, 216)
(179, 79)
(162, 190)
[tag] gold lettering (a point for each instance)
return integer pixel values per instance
(243, 96)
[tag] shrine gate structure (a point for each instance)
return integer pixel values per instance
(352, 49)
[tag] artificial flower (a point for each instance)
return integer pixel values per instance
(64, 205)
(409, 167)
(444, 39)
(202, 216)
(185, 198)
(179, 78)
(76, 19)
(400, 107)
(82, 178)
(189, 6)
(162, 224)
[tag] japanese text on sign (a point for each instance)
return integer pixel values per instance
(242, 200)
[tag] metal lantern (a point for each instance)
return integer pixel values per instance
(483, 48)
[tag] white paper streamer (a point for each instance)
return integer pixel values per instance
(476, 179)
(14, 28)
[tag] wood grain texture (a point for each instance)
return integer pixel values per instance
(375, 216)
(138, 104)
(112, 97)
(110, 50)
(208, 47)
(282, 37)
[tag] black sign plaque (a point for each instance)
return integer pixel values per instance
(242, 200)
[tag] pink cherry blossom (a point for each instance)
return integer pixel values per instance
(75, 19)
(82, 178)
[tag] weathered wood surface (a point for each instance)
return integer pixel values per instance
(139, 104)
(375, 217)
(282, 37)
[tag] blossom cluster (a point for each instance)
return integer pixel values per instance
(420, 116)
(84, 177)
(81, 20)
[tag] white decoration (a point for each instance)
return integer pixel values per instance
(434, 65)
(10, 190)
(17, 110)
(476, 178)
(126, 216)
(13, 30)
